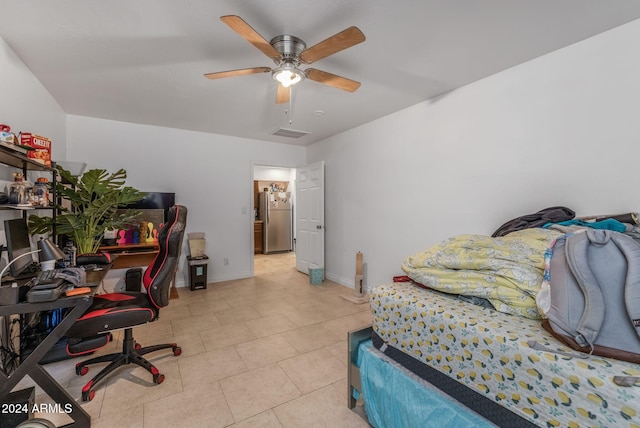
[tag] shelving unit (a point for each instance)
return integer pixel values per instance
(22, 162)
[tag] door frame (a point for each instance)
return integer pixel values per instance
(254, 164)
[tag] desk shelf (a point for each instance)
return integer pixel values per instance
(132, 255)
(25, 208)
(21, 161)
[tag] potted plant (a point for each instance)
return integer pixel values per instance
(93, 203)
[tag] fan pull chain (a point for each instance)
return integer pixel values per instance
(290, 105)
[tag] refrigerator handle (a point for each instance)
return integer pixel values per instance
(268, 211)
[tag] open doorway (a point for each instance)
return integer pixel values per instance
(273, 220)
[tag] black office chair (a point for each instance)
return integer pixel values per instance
(126, 310)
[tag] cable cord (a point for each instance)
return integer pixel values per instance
(9, 358)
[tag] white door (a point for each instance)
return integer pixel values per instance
(310, 216)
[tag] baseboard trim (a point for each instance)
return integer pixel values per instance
(340, 280)
(181, 283)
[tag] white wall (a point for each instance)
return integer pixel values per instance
(210, 174)
(559, 130)
(26, 106)
(273, 173)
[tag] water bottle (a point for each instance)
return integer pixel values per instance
(70, 251)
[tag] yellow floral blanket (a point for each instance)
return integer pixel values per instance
(507, 271)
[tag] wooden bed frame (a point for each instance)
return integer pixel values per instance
(354, 384)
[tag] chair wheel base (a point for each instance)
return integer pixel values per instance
(88, 396)
(132, 353)
(158, 378)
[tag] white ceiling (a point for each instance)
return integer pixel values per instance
(143, 61)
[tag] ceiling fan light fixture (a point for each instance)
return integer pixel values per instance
(288, 52)
(287, 74)
(287, 78)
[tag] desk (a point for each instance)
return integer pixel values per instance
(132, 255)
(31, 367)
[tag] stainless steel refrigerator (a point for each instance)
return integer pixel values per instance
(276, 212)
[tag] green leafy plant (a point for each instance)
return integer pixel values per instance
(93, 203)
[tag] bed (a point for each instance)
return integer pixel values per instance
(478, 362)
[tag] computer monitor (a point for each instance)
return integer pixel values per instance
(155, 200)
(18, 243)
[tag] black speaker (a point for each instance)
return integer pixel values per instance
(133, 279)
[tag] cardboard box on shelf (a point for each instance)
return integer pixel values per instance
(196, 244)
(41, 147)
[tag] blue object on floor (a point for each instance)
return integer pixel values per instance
(394, 398)
(316, 275)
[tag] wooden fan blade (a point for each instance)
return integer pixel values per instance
(241, 72)
(283, 94)
(332, 80)
(238, 25)
(334, 44)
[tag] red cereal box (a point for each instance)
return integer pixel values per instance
(41, 146)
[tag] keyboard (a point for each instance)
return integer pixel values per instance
(44, 276)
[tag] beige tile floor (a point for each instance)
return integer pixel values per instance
(268, 351)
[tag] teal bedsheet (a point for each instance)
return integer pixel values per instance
(395, 398)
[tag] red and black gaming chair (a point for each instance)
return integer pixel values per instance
(125, 310)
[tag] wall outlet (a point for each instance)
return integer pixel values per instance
(225, 261)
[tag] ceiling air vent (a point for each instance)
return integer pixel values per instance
(289, 133)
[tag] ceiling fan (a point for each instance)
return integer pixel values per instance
(288, 52)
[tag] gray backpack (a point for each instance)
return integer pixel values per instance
(595, 294)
